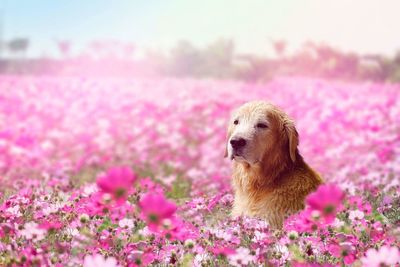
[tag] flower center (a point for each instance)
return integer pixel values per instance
(329, 209)
(120, 192)
(153, 217)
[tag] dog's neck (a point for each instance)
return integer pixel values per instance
(267, 172)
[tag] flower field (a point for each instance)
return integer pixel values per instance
(126, 172)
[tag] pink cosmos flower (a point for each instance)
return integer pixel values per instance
(385, 256)
(343, 249)
(176, 229)
(241, 257)
(140, 258)
(32, 231)
(303, 222)
(50, 225)
(117, 182)
(356, 215)
(384, 154)
(326, 200)
(225, 251)
(156, 209)
(308, 264)
(98, 260)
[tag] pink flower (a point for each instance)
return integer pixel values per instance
(241, 257)
(117, 182)
(385, 256)
(98, 260)
(51, 225)
(344, 249)
(140, 258)
(225, 251)
(326, 200)
(309, 264)
(384, 154)
(156, 209)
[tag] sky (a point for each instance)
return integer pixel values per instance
(363, 26)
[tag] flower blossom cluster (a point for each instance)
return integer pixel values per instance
(130, 172)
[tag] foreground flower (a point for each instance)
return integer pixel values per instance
(117, 182)
(356, 215)
(99, 261)
(50, 225)
(385, 256)
(33, 231)
(326, 201)
(224, 251)
(126, 223)
(241, 258)
(156, 210)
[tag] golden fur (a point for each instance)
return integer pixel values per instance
(271, 179)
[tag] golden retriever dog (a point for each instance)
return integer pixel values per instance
(270, 177)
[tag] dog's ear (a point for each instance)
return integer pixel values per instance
(293, 137)
(228, 135)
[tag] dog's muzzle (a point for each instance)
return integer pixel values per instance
(237, 144)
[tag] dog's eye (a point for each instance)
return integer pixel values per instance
(262, 125)
(236, 122)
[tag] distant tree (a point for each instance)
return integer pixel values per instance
(395, 75)
(185, 60)
(279, 47)
(18, 46)
(260, 69)
(64, 47)
(218, 58)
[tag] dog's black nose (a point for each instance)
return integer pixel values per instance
(238, 143)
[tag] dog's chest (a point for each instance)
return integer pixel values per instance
(252, 201)
(251, 205)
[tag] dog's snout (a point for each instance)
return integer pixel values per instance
(238, 143)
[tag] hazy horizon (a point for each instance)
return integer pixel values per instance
(365, 26)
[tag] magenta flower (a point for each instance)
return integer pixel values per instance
(117, 182)
(343, 249)
(385, 256)
(51, 225)
(326, 200)
(156, 209)
(225, 251)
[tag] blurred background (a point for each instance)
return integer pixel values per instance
(251, 40)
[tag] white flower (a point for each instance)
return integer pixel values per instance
(16, 151)
(283, 250)
(89, 189)
(50, 209)
(14, 211)
(200, 259)
(71, 231)
(47, 145)
(259, 236)
(169, 179)
(222, 234)
(386, 256)
(338, 223)
(99, 261)
(125, 222)
(241, 258)
(145, 231)
(32, 231)
(356, 215)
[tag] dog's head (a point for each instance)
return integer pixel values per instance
(258, 132)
